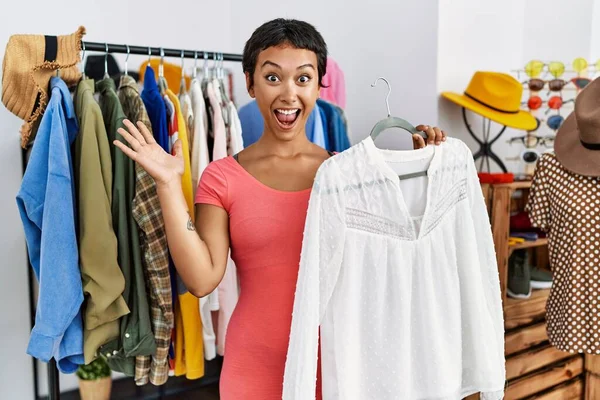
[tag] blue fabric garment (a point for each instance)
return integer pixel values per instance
(253, 123)
(46, 202)
(337, 131)
(319, 138)
(155, 106)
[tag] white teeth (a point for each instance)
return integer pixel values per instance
(287, 112)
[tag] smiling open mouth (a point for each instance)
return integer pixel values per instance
(287, 117)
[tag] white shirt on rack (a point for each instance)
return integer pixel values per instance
(406, 293)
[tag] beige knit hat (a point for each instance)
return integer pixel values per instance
(29, 63)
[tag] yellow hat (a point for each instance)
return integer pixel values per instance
(496, 96)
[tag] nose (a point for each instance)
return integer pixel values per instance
(288, 93)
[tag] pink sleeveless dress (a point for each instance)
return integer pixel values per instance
(265, 227)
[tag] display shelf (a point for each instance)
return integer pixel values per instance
(528, 244)
(520, 312)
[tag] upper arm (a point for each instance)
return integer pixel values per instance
(212, 225)
(212, 217)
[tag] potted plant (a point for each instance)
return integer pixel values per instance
(94, 380)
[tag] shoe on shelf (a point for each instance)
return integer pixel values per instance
(519, 276)
(540, 278)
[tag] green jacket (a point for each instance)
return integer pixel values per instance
(136, 337)
(103, 281)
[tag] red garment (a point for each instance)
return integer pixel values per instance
(266, 229)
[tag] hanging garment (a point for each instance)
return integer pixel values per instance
(191, 351)
(173, 122)
(171, 72)
(136, 337)
(334, 83)
(46, 202)
(319, 137)
(153, 242)
(237, 140)
(406, 293)
(199, 161)
(266, 239)
(219, 132)
(185, 101)
(155, 106)
(567, 206)
(103, 281)
(253, 123)
(337, 135)
(228, 288)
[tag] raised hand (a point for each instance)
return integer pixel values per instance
(434, 135)
(144, 150)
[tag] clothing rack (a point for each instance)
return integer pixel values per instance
(53, 376)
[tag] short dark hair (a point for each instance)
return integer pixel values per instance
(281, 31)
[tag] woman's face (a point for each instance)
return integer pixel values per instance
(286, 87)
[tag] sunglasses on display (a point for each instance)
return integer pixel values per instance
(537, 84)
(554, 103)
(554, 122)
(580, 82)
(534, 68)
(532, 141)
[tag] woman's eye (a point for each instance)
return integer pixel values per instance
(304, 79)
(272, 78)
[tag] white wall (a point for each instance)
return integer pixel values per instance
(503, 36)
(106, 21)
(367, 39)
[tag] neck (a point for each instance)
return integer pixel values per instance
(284, 148)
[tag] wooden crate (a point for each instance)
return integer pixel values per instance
(523, 339)
(520, 312)
(547, 378)
(572, 390)
(534, 359)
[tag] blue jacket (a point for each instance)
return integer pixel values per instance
(46, 202)
(253, 124)
(155, 105)
(335, 126)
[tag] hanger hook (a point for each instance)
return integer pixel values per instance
(387, 98)
(127, 60)
(182, 55)
(149, 54)
(106, 60)
(161, 67)
(195, 63)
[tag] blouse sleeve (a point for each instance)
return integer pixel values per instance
(490, 281)
(538, 205)
(212, 188)
(320, 262)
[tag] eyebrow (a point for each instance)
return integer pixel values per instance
(309, 65)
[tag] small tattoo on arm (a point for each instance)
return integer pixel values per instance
(190, 224)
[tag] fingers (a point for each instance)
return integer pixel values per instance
(133, 142)
(438, 135)
(418, 141)
(145, 132)
(126, 149)
(434, 134)
(134, 132)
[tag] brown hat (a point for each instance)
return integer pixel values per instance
(29, 63)
(577, 143)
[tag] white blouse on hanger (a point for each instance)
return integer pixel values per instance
(406, 293)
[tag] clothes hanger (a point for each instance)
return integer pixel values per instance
(182, 84)
(195, 71)
(390, 122)
(126, 61)
(106, 62)
(394, 122)
(162, 82)
(81, 66)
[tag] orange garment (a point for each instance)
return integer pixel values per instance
(189, 347)
(172, 74)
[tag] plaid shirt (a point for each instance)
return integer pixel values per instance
(148, 215)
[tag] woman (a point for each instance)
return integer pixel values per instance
(255, 202)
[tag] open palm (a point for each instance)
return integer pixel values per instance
(144, 150)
